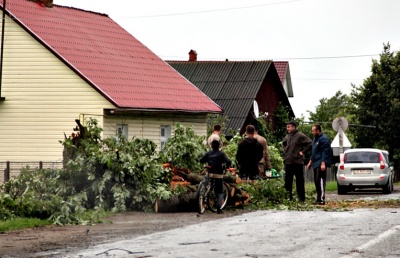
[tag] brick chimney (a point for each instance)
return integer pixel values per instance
(46, 3)
(192, 56)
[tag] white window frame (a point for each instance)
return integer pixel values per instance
(122, 129)
(165, 134)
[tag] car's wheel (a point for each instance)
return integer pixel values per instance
(387, 189)
(341, 189)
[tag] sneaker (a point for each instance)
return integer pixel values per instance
(220, 212)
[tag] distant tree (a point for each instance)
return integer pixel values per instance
(222, 120)
(278, 121)
(340, 105)
(377, 103)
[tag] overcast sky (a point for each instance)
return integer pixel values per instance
(329, 44)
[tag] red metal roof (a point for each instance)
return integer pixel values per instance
(114, 62)
(281, 68)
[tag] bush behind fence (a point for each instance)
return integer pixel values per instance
(13, 169)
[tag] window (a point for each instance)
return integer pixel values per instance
(165, 134)
(122, 129)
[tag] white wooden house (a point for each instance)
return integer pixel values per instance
(63, 63)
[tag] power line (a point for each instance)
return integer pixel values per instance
(327, 57)
(209, 11)
(277, 58)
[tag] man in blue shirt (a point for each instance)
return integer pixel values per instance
(320, 161)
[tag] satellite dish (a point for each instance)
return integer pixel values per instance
(340, 122)
(256, 111)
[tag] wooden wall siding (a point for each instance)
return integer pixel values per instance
(43, 99)
(148, 127)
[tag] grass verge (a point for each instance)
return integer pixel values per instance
(22, 223)
(331, 186)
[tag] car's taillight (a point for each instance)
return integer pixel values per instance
(382, 164)
(341, 166)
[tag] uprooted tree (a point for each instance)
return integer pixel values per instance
(112, 174)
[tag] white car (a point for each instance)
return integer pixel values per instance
(365, 168)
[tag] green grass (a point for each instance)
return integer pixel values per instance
(21, 223)
(330, 187)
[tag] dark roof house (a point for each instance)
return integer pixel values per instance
(234, 85)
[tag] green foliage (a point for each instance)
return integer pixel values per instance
(271, 194)
(230, 148)
(378, 103)
(277, 124)
(114, 174)
(184, 149)
(31, 194)
(339, 105)
(218, 119)
(275, 158)
(266, 193)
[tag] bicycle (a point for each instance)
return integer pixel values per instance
(207, 197)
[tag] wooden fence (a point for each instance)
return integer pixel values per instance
(309, 175)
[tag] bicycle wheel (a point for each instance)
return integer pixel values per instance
(202, 197)
(212, 200)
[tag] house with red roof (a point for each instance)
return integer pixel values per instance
(237, 85)
(282, 67)
(61, 63)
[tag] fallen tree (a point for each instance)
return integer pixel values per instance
(187, 199)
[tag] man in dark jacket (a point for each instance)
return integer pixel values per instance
(295, 145)
(215, 159)
(249, 154)
(320, 161)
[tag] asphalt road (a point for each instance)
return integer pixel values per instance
(358, 233)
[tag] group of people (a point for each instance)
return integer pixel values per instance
(253, 159)
(295, 145)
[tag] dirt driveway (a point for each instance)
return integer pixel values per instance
(57, 239)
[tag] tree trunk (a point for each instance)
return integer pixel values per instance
(186, 202)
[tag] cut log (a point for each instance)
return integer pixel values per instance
(232, 179)
(187, 202)
(192, 188)
(231, 190)
(196, 178)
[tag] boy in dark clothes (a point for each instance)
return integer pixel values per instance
(215, 159)
(249, 154)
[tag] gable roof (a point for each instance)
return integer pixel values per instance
(282, 67)
(233, 85)
(108, 58)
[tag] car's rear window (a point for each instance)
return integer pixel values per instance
(362, 157)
